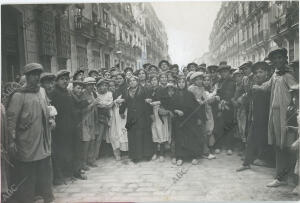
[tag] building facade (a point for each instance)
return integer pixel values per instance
(78, 36)
(247, 31)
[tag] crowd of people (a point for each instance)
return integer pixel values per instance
(53, 126)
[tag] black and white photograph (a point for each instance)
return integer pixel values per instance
(149, 101)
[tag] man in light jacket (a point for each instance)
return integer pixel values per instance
(29, 128)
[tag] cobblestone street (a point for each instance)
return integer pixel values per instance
(211, 180)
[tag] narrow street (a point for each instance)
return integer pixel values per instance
(211, 180)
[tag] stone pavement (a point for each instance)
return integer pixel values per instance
(211, 180)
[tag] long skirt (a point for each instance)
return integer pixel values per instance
(140, 143)
(188, 140)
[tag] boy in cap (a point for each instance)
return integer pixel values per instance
(80, 105)
(89, 119)
(225, 91)
(280, 83)
(30, 139)
(48, 82)
(245, 94)
(104, 103)
(204, 99)
(257, 140)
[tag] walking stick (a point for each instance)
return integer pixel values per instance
(190, 116)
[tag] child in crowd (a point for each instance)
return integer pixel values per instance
(117, 130)
(82, 146)
(104, 103)
(88, 120)
(240, 110)
(204, 98)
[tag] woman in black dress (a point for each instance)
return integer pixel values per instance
(138, 124)
(188, 117)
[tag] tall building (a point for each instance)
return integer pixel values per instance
(79, 36)
(247, 31)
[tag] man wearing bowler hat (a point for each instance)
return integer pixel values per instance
(29, 130)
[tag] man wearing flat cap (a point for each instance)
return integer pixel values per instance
(63, 134)
(48, 82)
(244, 93)
(29, 131)
(279, 85)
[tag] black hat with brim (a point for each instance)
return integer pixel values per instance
(246, 65)
(261, 64)
(281, 51)
(212, 67)
(224, 67)
(191, 64)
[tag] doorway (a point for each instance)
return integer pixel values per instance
(12, 43)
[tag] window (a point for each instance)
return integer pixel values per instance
(82, 57)
(130, 38)
(258, 25)
(105, 19)
(291, 50)
(107, 61)
(121, 35)
(96, 59)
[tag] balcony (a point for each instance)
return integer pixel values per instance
(84, 26)
(126, 49)
(111, 40)
(137, 51)
(101, 34)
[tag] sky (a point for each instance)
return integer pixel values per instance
(188, 25)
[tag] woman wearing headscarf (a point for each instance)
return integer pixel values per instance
(188, 117)
(138, 121)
